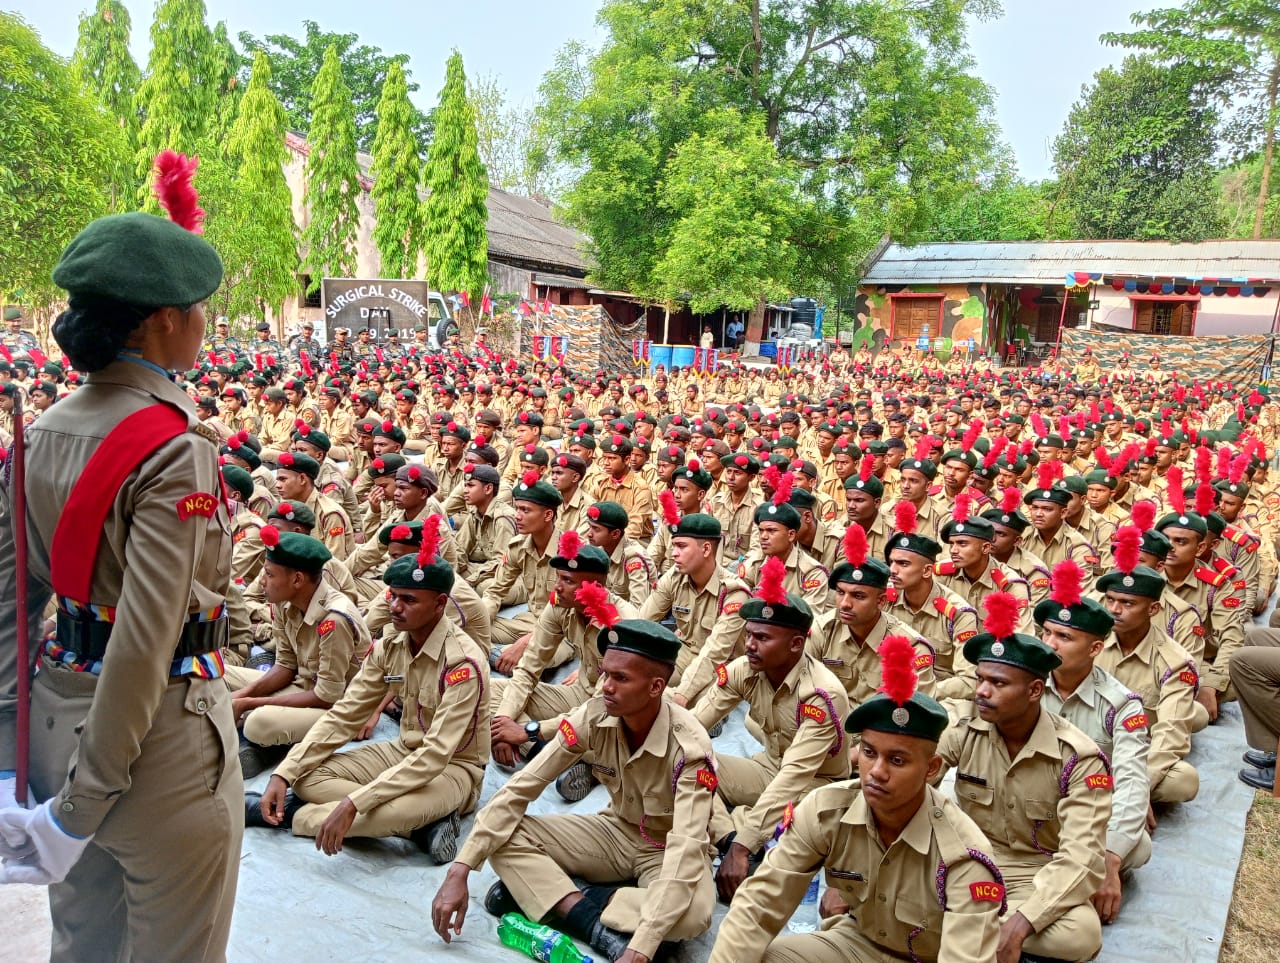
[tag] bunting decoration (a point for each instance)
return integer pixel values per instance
(1178, 286)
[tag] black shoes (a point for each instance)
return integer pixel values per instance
(575, 782)
(499, 901)
(255, 759)
(439, 840)
(1260, 759)
(253, 818)
(1264, 779)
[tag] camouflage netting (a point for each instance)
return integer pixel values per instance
(1237, 358)
(596, 340)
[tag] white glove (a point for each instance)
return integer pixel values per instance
(8, 790)
(43, 851)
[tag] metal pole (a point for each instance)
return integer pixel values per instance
(19, 508)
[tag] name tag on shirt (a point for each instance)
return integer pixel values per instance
(970, 777)
(393, 678)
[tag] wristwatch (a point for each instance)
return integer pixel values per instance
(533, 730)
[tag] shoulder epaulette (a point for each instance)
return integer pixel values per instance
(935, 489)
(1210, 577)
(944, 568)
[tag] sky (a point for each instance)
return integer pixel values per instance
(1036, 57)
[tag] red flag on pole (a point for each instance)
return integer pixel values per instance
(466, 299)
(486, 304)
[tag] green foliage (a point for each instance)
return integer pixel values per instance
(1002, 209)
(396, 170)
(60, 150)
(1134, 156)
(1237, 193)
(869, 106)
(515, 148)
(735, 209)
(455, 212)
(250, 207)
(179, 96)
(295, 63)
(103, 64)
(333, 178)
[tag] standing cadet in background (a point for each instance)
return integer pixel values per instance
(139, 842)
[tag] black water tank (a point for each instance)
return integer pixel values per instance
(804, 311)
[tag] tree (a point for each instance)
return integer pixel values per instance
(60, 150)
(1238, 187)
(870, 104)
(295, 63)
(103, 64)
(455, 213)
(1002, 208)
(179, 96)
(250, 207)
(333, 178)
(1233, 49)
(1134, 155)
(514, 147)
(396, 170)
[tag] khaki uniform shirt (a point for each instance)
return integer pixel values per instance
(248, 549)
(1065, 543)
(994, 578)
(482, 539)
(805, 578)
(856, 663)
(708, 622)
(631, 574)
(333, 526)
(948, 622)
(339, 425)
(735, 522)
(332, 485)
(1164, 676)
(827, 548)
(892, 892)
(523, 563)
(444, 689)
(572, 516)
(661, 793)
(449, 478)
(636, 497)
(803, 726)
(1213, 597)
(277, 430)
(323, 645)
(1111, 715)
(1032, 570)
(1047, 808)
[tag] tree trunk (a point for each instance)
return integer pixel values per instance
(1273, 82)
(755, 328)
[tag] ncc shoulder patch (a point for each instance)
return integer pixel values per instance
(1042, 582)
(1135, 722)
(634, 565)
(336, 530)
(1231, 602)
(829, 514)
(722, 674)
(197, 503)
(1099, 780)
(989, 892)
(1189, 677)
(1240, 584)
(708, 780)
(742, 570)
(330, 488)
(944, 568)
(239, 536)
(567, 733)
(325, 627)
(814, 581)
(460, 674)
(1198, 631)
(923, 661)
(731, 608)
(966, 635)
(816, 713)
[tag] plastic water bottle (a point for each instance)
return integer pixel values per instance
(538, 941)
(805, 918)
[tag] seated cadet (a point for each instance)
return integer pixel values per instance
(689, 485)
(734, 506)
(319, 638)
(417, 784)
(1255, 673)
(656, 762)
(1148, 662)
(618, 483)
(1038, 788)
(1105, 710)
(921, 602)
(631, 575)
(908, 870)
(238, 484)
(704, 600)
(778, 527)
(971, 572)
(379, 505)
(296, 481)
(847, 639)
(797, 704)
(238, 451)
(524, 571)
(330, 481)
(525, 709)
(486, 527)
(1008, 525)
(567, 474)
(1051, 538)
(818, 539)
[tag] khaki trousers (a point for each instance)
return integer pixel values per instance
(1075, 935)
(546, 701)
(1255, 673)
(456, 789)
(536, 864)
(148, 888)
(273, 725)
(839, 941)
(1180, 784)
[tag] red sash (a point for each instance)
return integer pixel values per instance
(74, 552)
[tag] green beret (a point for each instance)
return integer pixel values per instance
(404, 573)
(1101, 477)
(795, 614)
(877, 447)
(1050, 441)
(785, 441)
(923, 465)
(589, 559)
(1239, 489)
(1086, 615)
(920, 716)
(297, 461)
(139, 259)
(314, 437)
(585, 440)
(802, 500)
(13, 314)
(873, 486)
(1024, 651)
(743, 461)
(1215, 523)
(533, 455)
(540, 493)
(1190, 521)
(609, 514)
(454, 430)
(384, 466)
(616, 445)
(235, 448)
(920, 544)
(695, 474)
(295, 550)
(697, 526)
(274, 394)
(239, 479)
(1076, 484)
(649, 639)
(872, 573)
(402, 533)
(1057, 495)
(295, 512)
(959, 454)
(1142, 581)
(388, 429)
(783, 514)
(1157, 544)
(1014, 520)
(973, 527)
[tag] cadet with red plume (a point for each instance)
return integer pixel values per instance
(1045, 812)
(417, 784)
(778, 529)
(798, 704)
(1008, 525)
(889, 840)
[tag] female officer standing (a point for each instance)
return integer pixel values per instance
(141, 816)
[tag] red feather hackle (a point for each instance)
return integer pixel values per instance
(1001, 614)
(865, 468)
(905, 517)
(1204, 464)
(670, 510)
(771, 589)
(1205, 498)
(897, 668)
(1010, 499)
(1128, 548)
(1239, 464)
(855, 544)
(1176, 497)
(530, 478)
(430, 540)
(1143, 515)
(570, 544)
(175, 190)
(963, 508)
(1067, 583)
(782, 491)
(594, 599)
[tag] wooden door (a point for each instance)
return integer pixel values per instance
(911, 315)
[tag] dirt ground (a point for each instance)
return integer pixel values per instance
(1253, 928)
